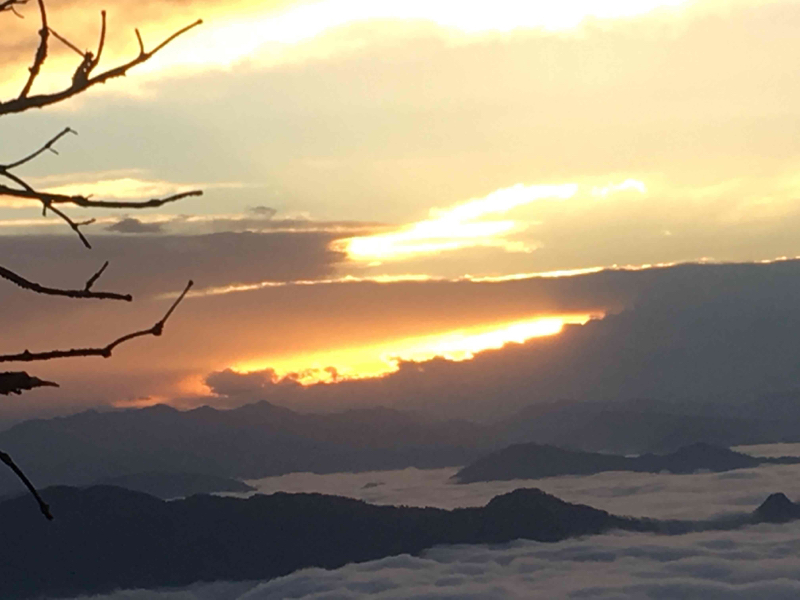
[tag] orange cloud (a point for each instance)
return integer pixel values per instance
(377, 360)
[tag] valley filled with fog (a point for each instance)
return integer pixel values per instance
(757, 561)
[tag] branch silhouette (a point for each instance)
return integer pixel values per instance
(82, 79)
(43, 506)
(15, 186)
(86, 292)
(104, 351)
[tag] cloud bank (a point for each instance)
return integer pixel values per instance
(753, 562)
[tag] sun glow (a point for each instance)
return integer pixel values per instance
(458, 227)
(378, 360)
(274, 35)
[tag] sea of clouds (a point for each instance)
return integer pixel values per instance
(760, 561)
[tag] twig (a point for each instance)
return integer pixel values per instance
(86, 202)
(101, 43)
(26, 190)
(25, 102)
(84, 293)
(41, 54)
(47, 146)
(105, 351)
(76, 227)
(42, 504)
(19, 381)
(66, 42)
(10, 4)
(93, 279)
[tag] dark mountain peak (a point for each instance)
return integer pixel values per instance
(531, 498)
(211, 538)
(536, 461)
(156, 409)
(777, 508)
(703, 448)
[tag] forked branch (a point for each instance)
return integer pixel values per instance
(48, 200)
(41, 53)
(11, 4)
(82, 78)
(104, 351)
(86, 292)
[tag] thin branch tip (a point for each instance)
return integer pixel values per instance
(106, 351)
(43, 506)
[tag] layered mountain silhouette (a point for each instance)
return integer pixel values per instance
(106, 538)
(261, 439)
(642, 425)
(256, 440)
(176, 485)
(534, 461)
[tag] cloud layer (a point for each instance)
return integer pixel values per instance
(753, 562)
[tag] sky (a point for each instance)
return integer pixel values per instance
(388, 182)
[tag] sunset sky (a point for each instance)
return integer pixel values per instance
(387, 180)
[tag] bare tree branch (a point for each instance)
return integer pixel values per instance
(49, 291)
(41, 53)
(16, 382)
(93, 279)
(5, 458)
(11, 4)
(25, 190)
(81, 80)
(86, 202)
(101, 42)
(19, 381)
(48, 146)
(105, 351)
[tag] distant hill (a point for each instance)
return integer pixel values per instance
(534, 461)
(176, 485)
(777, 508)
(256, 440)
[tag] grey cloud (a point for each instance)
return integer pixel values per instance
(691, 333)
(263, 211)
(230, 383)
(158, 264)
(133, 225)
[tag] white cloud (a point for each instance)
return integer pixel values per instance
(754, 562)
(663, 496)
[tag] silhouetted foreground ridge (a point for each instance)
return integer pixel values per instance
(106, 538)
(534, 461)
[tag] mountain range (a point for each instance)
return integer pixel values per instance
(106, 538)
(261, 439)
(255, 440)
(535, 461)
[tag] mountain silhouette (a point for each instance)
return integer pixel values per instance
(256, 440)
(106, 538)
(534, 461)
(176, 485)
